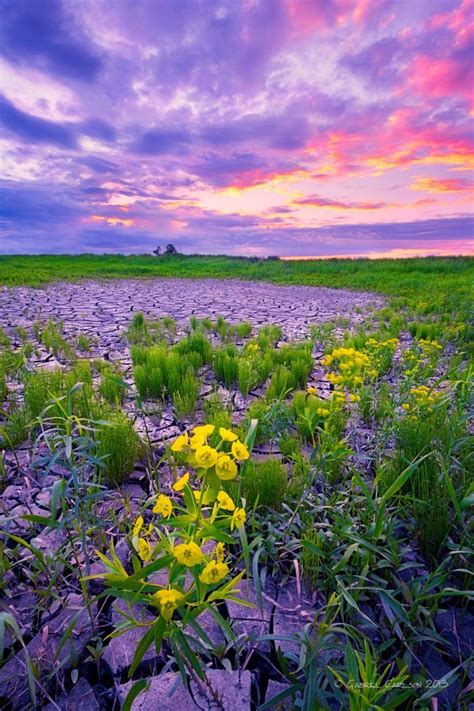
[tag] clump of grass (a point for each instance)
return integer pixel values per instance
(265, 483)
(84, 342)
(289, 444)
(4, 339)
(138, 330)
(40, 387)
(226, 364)
(22, 333)
(243, 330)
(3, 384)
(118, 444)
(197, 347)
(216, 412)
(112, 386)
(15, 426)
(186, 396)
(274, 418)
(269, 336)
(204, 324)
(281, 384)
(51, 336)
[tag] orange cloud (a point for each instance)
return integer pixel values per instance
(321, 202)
(264, 179)
(125, 222)
(439, 185)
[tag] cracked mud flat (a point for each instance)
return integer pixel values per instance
(104, 308)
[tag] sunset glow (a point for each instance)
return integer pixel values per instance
(286, 127)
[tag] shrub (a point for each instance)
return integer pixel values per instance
(265, 483)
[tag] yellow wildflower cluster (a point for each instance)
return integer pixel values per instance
(348, 367)
(189, 523)
(381, 353)
(422, 401)
(201, 455)
(422, 357)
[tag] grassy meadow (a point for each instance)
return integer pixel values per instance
(221, 498)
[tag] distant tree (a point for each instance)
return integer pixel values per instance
(273, 257)
(157, 251)
(170, 249)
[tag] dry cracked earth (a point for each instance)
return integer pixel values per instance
(103, 309)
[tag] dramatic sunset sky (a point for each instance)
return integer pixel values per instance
(254, 127)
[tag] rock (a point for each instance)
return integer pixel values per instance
(251, 622)
(229, 691)
(294, 608)
(44, 653)
(435, 668)
(119, 653)
(132, 491)
(80, 698)
(457, 628)
(273, 689)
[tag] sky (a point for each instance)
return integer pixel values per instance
(245, 127)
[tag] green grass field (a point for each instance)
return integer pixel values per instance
(446, 281)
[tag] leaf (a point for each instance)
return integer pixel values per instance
(135, 691)
(189, 654)
(275, 700)
(144, 644)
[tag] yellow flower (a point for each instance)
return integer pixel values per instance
(327, 360)
(163, 506)
(406, 406)
(204, 430)
(240, 451)
(354, 398)
(181, 482)
(226, 468)
(238, 519)
(144, 549)
(322, 411)
(196, 441)
(188, 554)
(213, 573)
(225, 502)
(311, 390)
(220, 552)
(227, 435)
(206, 457)
(180, 443)
(138, 526)
(168, 600)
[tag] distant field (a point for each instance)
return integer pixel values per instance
(450, 277)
